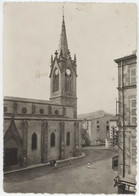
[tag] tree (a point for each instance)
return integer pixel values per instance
(85, 137)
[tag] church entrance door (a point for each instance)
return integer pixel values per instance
(11, 153)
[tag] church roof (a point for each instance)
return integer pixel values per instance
(28, 100)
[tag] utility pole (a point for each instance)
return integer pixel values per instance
(116, 106)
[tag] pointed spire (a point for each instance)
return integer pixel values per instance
(75, 57)
(63, 45)
(51, 59)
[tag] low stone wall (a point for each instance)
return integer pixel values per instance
(60, 163)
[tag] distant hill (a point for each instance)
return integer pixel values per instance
(92, 115)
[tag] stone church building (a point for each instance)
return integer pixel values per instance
(37, 131)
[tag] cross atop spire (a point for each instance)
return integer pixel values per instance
(63, 44)
(63, 11)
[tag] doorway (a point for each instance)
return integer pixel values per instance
(10, 153)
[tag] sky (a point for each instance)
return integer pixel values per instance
(98, 33)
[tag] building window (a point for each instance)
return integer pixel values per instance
(133, 75)
(56, 80)
(68, 80)
(34, 141)
(107, 128)
(97, 126)
(97, 122)
(107, 122)
(133, 112)
(68, 138)
(52, 139)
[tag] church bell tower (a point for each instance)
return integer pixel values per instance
(63, 75)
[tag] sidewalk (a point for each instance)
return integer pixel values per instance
(95, 147)
(59, 162)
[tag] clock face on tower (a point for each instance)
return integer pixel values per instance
(68, 72)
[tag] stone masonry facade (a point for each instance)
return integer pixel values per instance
(127, 123)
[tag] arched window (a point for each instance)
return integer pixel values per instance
(68, 138)
(68, 80)
(56, 80)
(52, 139)
(34, 141)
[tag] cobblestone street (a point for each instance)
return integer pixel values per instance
(75, 178)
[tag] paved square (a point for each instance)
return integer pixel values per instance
(75, 178)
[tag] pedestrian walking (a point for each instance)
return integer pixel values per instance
(55, 165)
(88, 165)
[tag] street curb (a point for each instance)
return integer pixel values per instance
(44, 164)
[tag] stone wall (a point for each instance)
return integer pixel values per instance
(43, 130)
(28, 107)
